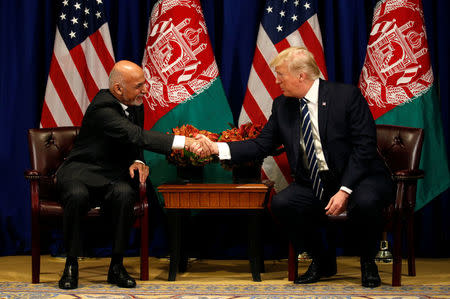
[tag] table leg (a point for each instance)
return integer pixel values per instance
(255, 245)
(175, 227)
(184, 237)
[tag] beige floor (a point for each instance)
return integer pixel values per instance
(93, 270)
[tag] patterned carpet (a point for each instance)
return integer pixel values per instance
(219, 279)
(219, 291)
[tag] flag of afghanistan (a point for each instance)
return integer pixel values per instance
(398, 84)
(182, 79)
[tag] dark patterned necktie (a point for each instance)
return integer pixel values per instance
(130, 114)
(310, 150)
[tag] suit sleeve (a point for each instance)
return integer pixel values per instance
(362, 134)
(260, 147)
(117, 126)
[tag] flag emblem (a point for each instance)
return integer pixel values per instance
(393, 73)
(177, 63)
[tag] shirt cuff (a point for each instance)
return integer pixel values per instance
(224, 151)
(178, 142)
(346, 190)
(139, 161)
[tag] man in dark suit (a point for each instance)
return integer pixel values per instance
(102, 165)
(329, 136)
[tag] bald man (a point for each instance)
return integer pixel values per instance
(101, 168)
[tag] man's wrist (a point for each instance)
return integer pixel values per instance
(346, 190)
(223, 149)
(178, 142)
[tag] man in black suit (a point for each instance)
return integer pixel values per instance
(102, 165)
(329, 136)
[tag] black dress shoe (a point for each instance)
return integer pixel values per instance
(369, 274)
(119, 276)
(69, 279)
(311, 275)
(316, 271)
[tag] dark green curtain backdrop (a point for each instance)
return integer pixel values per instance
(27, 29)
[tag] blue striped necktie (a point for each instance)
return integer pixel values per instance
(310, 150)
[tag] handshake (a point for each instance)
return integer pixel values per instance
(201, 146)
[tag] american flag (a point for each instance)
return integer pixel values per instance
(81, 62)
(285, 23)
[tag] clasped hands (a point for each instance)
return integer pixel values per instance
(201, 146)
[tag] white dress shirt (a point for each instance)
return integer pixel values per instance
(312, 98)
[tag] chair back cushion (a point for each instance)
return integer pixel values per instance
(400, 147)
(48, 148)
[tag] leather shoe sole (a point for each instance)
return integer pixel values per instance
(307, 279)
(371, 284)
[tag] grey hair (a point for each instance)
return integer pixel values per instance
(115, 77)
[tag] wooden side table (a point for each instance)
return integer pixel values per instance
(180, 198)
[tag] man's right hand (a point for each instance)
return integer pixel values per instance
(200, 145)
(207, 144)
(337, 204)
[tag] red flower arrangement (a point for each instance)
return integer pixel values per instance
(244, 132)
(183, 157)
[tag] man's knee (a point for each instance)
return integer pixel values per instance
(367, 207)
(73, 194)
(372, 195)
(279, 205)
(122, 192)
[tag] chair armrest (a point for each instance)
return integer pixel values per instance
(408, 174)
(34, 177)
(32, 174)
(143, 191)
(141, 206)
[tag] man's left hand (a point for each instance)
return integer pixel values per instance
(141, 168)
(337, 204)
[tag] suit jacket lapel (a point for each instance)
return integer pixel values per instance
(294, 110)
(323, 111)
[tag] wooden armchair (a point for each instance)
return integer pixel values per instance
(48, 149)
(400, 147)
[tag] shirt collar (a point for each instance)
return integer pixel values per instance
(124, 107)
(313, 93)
